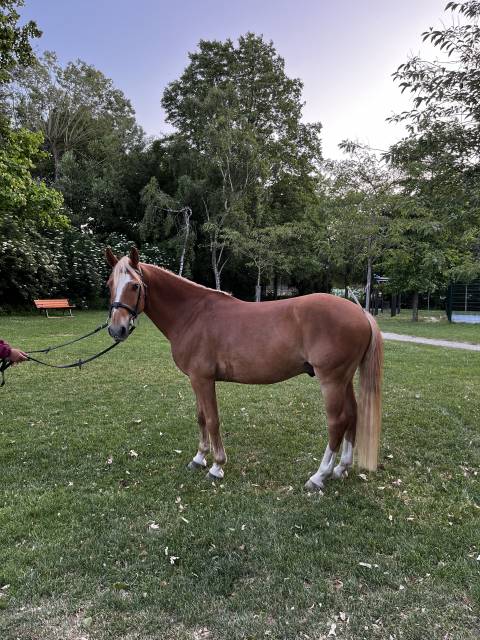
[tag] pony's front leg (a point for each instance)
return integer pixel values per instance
(199, 461)
(207, 408)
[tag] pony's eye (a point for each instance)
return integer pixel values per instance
(136, 286)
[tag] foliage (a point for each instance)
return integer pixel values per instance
(446, 92)
(21, 196)
(93, 141)
(438, 228)
(265, 248)
(235, 107)
(15, 47)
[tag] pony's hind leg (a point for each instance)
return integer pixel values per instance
(339, 418)
(199, 461)
(207, 408)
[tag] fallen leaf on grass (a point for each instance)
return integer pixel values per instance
(87, 622)
(332, 631)
(109, 460)
(133, 454)
(362, 476)
(365, 564)
(154, 526)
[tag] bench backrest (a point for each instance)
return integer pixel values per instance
(61, 303)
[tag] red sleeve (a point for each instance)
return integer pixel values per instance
(5, 349)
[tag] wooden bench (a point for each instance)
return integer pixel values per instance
(60, 304)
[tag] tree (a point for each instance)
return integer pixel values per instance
(359, 191)
(237, 110)
(91, 136)
(446, 92)
(163, 221)
(73, 107)
(30, 215)
(435, 232)
(15, 47)
(266, 249)
(440, 219)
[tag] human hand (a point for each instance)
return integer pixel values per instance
(17, 356)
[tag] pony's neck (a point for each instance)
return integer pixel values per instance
(169, 298)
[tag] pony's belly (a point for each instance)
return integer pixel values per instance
(258, 373)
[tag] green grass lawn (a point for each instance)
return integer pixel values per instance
(105, 535)
(431, 324)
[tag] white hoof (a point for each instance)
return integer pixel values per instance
(312, 486)
(339, 472)
(216, 472)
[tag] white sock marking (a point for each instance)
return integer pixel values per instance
(326, 467)
(200, 459)
(346, 459)
(216, 470)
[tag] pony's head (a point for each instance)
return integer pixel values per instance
(127, 293)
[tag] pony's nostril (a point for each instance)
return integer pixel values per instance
(123, 332)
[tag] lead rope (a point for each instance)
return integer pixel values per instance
(5, 363)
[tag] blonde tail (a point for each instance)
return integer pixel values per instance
(369, 421)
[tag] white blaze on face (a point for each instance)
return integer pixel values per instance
(122, 277)
(122, 281)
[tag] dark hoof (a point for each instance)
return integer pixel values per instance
(312, 487)
(213, 478)
(195, 466)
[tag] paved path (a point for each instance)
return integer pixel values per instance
(400, 337)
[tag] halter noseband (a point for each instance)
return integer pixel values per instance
(133, 311)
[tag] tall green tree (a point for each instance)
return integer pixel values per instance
(15, 47)
(241, 115)
(359, 194)
(439, 158)
(91, 136)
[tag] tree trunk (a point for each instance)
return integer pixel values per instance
(345, 283)
(216, 272)
(187, 212)
(415, 307)
(275, 287)
(56, 161)
(368, 288)
(393, 305)
(258, 287)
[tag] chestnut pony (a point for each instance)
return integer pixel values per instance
(215, 336)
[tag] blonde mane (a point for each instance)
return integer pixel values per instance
(186, 280)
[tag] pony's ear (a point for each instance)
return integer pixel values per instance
(134, 257)
(111, 257)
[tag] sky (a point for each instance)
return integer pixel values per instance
(344, 51)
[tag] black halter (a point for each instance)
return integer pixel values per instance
(133, 311)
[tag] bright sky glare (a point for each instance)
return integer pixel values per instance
(344, 51)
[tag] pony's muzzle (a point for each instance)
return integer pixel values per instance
(118, 333)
